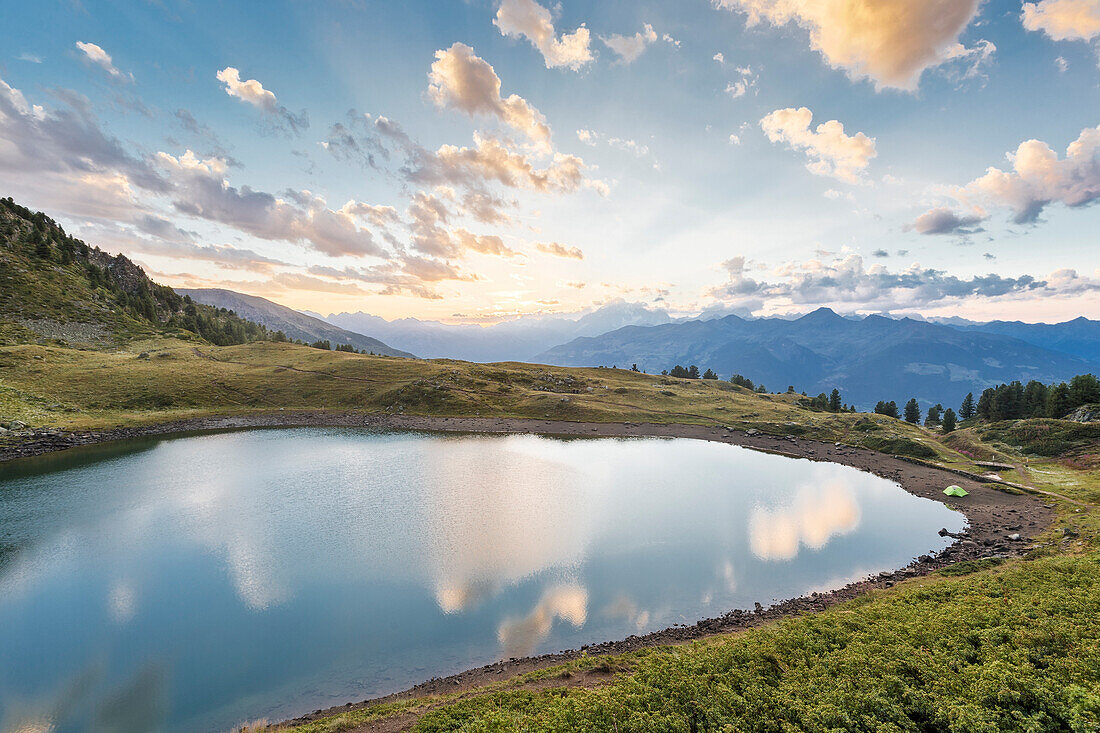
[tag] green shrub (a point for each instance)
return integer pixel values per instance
(898, 446)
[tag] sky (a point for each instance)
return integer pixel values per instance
(476, 160)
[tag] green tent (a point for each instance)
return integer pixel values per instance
(955, 491)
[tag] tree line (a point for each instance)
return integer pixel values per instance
(1012, 401)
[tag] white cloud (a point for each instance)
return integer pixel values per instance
(847, 282)
(1063, 20)
(462, 80)
(831, 152)
(589, 137)
(252, 92)
(735, 139)
(96, 55)
(631, 146)
(743, 85)
(560, 250)
(942, 220)
(720, 58)
(1038, 178)
(429, 215)
(629, 48)
(1062, 64)
(201, 190)
(29, 57)
(526, 18)
(891, 42)
(491, 160)
(76, 165)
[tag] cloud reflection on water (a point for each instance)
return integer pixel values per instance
(494, 517)
(811, 520)
(520, 637)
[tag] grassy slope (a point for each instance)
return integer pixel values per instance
(55, 288)
(68, 388)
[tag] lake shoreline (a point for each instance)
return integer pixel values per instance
(993, 514)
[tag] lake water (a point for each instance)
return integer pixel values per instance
(195, 583)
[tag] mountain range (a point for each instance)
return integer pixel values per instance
(520, 339)
(867, 359)
(294, 324)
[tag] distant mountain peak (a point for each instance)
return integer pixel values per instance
(823, 314)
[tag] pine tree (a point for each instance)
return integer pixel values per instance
(1035, 399)
(1059, 404)
(710, 374)
(912, 411)
(890, 409)
(935, 414)
(1084, 389)
(948, 420)
(985, 404)
(966, 409)
(693, 372)
(834, 400)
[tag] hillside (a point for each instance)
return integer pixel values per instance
(57, 288)
(868, 359)
(294, 324)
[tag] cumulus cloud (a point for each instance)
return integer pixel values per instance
(831, 152)
(94, 54)
(528, 19)
(252, 92)
(560, 250)
(462, 80)
(1038, 178)
(428, 214)
(629, 48)
(406, 275)
(1063, 20)
(890, 42)
(77, 167)
(848, 282)
(200, 189)
(942, 220)
(491, 160)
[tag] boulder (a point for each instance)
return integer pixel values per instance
(1085, 413)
